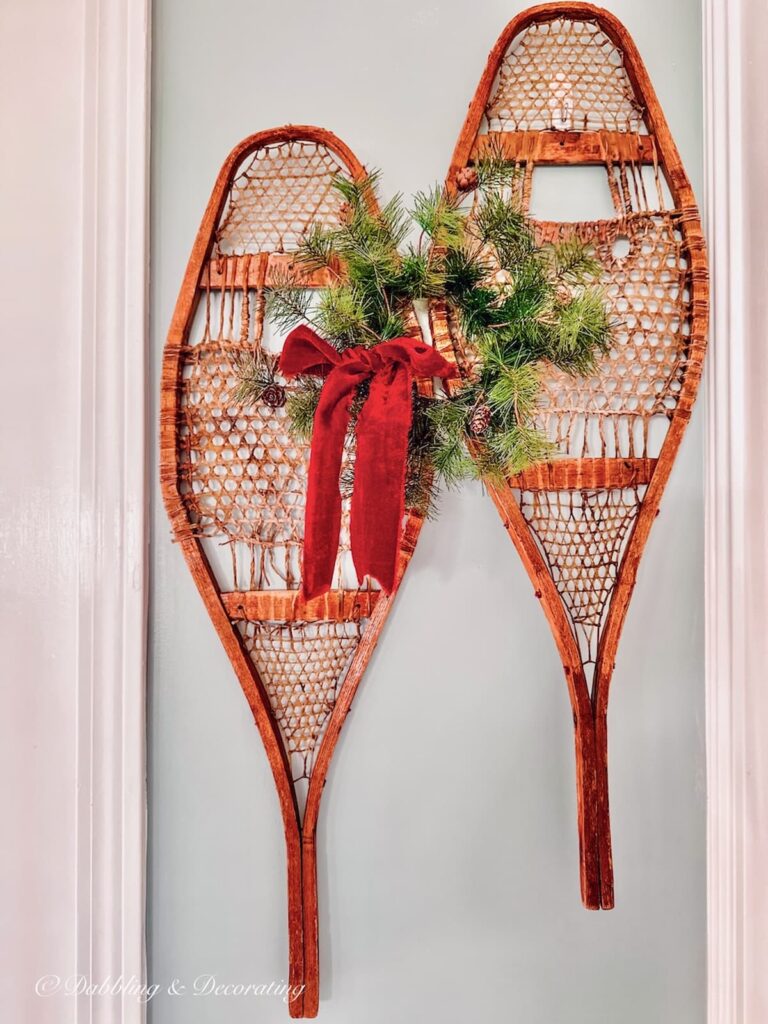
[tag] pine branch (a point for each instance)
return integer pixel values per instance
(288, 301)
(438, 214)
(358, 192)
(581, 333)
(450, 457)
(255, 373)
(519, 447)
(302, 405)
(395, 221)
(574, 262)
(317, 249)
(514, 393)
(495, 173)
(420, 277)
(342, 315)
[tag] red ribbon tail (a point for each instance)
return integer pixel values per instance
(322, 516)
(378, 499)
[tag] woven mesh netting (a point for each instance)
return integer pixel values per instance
(233, 487)
(567, 75)
(302, 665)
(564, 75)
(281, 191)
(622, 411)
(583, 535)
(242, 474)
(613, 413)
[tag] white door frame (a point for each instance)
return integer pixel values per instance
(736, 127)
(113, 492)
(114, 467)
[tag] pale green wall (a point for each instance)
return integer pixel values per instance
(448, 861)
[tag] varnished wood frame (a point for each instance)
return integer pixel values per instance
(590, 712)
(300, 836)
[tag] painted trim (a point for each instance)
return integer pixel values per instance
(736, 493)
(113, 497)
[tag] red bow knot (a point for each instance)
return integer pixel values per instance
(378, 497)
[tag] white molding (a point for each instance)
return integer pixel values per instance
(722, 155)
(113, 495)
(736, 492)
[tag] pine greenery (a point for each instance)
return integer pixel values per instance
(255, 374)
(519, 305)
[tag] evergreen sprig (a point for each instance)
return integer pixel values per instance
(254, 375)
(302, 404)
(519, 304)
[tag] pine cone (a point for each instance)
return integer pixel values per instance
(274, 396)
(480, 419)
(466, 179)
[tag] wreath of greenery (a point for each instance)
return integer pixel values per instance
(519, 305)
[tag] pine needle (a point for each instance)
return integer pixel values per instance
(254, 374)
(302, 405)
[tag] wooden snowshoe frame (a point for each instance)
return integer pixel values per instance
(565, 85)
(234, 480)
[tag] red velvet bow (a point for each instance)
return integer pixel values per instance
(378, 498)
